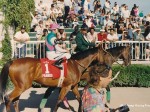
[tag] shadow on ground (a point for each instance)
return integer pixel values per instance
(34, 101)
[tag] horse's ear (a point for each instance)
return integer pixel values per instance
(129, 45)
(100, 46)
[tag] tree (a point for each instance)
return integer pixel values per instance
(17, 13)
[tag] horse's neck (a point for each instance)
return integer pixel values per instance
(117, 54)
(84, 63)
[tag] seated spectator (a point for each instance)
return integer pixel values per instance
(61, 35)
(52, 12)
(126, 13)
(88, 21)
(39, 28)
(48, 21)
(120, 29)
(33, 29)
(92, 35)
(125, 36)
(34, 20)
(75, 23)
(130, 32)
(112, 36)
(59, 19)
(102, 35)
(137, 35)
(108, 22)
(43, 37)
(58, 11)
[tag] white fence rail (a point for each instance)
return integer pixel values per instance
(140, 49)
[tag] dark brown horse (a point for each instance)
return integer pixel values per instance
(24, 71)
(112, 55)
(119, 52)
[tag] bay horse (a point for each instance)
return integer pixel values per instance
(110, 56)
(119, 52)
(24, 71)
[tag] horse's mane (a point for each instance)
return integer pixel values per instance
(114, 51)
(83, 54)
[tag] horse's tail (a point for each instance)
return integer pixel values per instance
(3, 79)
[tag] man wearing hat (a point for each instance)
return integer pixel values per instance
(21, 37)
(61, 34)
(81, 40)
(102, 35)
(54, 50)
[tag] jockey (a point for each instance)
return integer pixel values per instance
(54, 49)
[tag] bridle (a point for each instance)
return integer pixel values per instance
(85, 68)
(115, 60)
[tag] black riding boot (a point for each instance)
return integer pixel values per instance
(58, 62)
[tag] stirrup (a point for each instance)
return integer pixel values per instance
(58, 66)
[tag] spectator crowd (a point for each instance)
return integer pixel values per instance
(114, 22)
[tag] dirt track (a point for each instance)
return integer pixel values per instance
(138, 99)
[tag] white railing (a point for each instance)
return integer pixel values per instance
(36, 49)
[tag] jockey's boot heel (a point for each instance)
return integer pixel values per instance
(57, 63)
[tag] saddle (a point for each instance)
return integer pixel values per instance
(51, 71)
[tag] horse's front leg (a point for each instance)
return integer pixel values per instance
(78, 96)
(63, 93)
(45, 97)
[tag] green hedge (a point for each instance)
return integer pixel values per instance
(131, 76)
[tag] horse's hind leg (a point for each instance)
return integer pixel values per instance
(62, 94)
(16, 103)
(14, 96)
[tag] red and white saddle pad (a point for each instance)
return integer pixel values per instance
(49, 70)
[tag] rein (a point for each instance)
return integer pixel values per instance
(85, 68)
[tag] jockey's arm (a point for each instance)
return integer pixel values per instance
(59, 49)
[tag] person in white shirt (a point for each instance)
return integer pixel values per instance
(21, 37)
(92, 35)
(107, 6)
(112, 36)
(108, 22)
(148, 17)
(68, 5)
(85, 6)
(126, 13)
(88, 21)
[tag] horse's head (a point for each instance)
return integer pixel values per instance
(126, 55)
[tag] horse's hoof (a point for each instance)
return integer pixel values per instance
(41, 110)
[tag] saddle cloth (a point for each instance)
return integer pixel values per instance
(49, 70)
